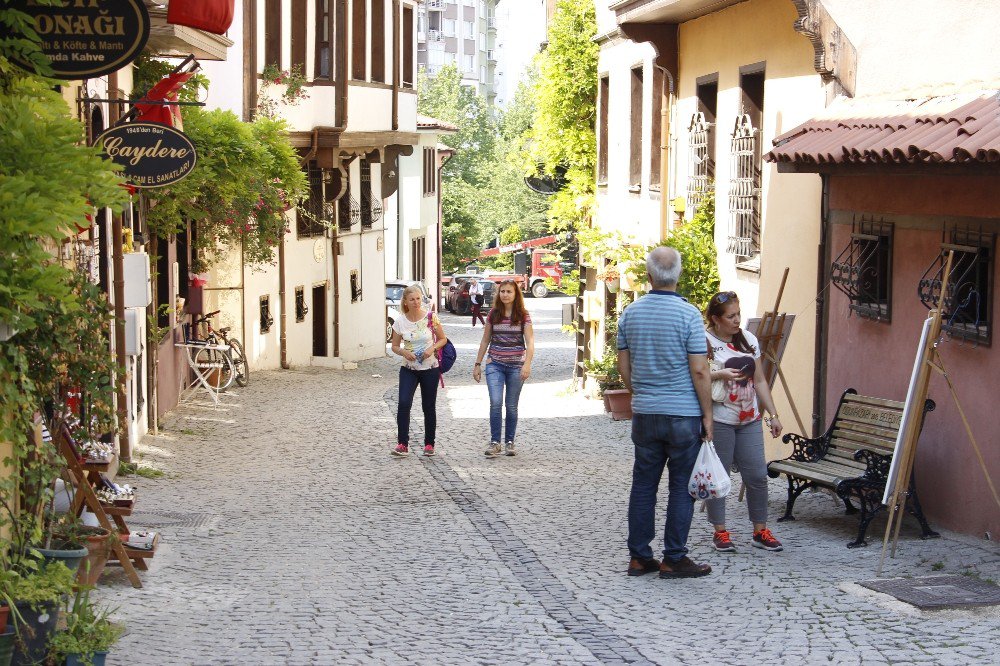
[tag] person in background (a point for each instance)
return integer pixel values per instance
(476, 292)
(510, 340)
(416, 336)
(662, 360)
(738, 433)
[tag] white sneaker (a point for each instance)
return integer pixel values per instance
(508, 449)
(494, 450)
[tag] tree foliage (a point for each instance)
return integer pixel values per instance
(483, 190)
(565, 97)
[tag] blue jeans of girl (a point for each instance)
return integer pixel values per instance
(504, 383)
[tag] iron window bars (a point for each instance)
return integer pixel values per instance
(348, 209)
(266, 320)
(370, 208)
(863, 270)
(315, 214)
(301, 309)
(701, 164)
(744, 190)
(968, 306)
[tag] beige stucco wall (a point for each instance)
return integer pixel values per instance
(745, 34)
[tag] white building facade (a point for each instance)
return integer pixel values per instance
(463, 32)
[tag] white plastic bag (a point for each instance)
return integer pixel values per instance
(709, 478)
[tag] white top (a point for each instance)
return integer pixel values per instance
(417, 336)
(740, 406)
(476, 288)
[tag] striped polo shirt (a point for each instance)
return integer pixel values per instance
(661, 330)
(507, 345)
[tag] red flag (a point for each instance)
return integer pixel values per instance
(166, 90)
(208, 15)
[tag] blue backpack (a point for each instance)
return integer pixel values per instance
(447, 354)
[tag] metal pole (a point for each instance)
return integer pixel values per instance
(117, 262)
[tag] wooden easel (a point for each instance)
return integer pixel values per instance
(929, 358)
(911, 429)
(769, 335)
(84, 476)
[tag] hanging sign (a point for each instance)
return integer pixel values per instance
(85, 39)
(150, 154)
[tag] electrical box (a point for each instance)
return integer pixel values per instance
(138, 293)
(134, 331)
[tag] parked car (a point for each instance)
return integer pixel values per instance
(458, 295)
(393, 297)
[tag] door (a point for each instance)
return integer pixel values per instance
(319, 320)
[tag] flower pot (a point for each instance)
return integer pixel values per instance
(98, 551)
(7, 637)
(619, 403)
(34, 632)
(70, 555)
(4, 614)
(96, 659)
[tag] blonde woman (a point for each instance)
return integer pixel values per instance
(416, 337)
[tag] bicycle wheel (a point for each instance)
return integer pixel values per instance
(216, 366)
(239, 362)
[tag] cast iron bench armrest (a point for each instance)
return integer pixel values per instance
(806, 449)
(876, 465)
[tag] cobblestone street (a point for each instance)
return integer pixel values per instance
(290, 535)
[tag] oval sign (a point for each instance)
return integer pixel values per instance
(151, 154)
(88, 38)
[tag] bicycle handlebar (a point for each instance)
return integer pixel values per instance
(205, 317)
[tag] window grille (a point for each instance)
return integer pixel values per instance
(314, 213)
(863, 271)
(301, 309)
(702, 166)
(744, 190)
(266, 320)
(348, 210)
(370, 208)
(967, 310)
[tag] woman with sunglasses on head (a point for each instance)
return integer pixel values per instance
(737, 419)
(510, 340)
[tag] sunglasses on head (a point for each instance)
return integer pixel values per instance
(724, 296)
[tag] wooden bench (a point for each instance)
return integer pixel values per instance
(852, 458)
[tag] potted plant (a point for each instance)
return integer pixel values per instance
(38, 588)
(89, 633)
(611, 277)
(95, 540)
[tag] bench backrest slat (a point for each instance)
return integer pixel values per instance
(864, 422)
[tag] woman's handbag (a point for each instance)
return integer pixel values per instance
(710, 478)
(719, 391)
(446, 355)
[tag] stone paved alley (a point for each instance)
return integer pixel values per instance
(290, 536)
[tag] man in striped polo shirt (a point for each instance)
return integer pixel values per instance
(662, 357)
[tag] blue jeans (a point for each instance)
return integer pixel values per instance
(674, 442)
(408, 382)
(499, 376)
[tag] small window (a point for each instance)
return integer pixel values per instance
(863, 271)
(355, 286)
(266, 321)
(418, 258)
(635, 139)
(301, 309)
(323, 68)
(311, 214)
(744, 179)
(967, 309)
(348, 210)
(430, 173)
(604, 89)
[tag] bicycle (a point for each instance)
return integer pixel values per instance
(236, 369)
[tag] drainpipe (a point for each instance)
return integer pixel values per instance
(822, 310)
(666, 105)
(117, 262)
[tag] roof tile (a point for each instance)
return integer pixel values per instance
(930, 130)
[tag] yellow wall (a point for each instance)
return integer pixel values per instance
(745, 34)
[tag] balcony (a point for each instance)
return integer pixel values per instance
(491, 56)
(435, 5)
(435, 36)
(491, 23)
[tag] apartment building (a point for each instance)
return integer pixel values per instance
(463, 32)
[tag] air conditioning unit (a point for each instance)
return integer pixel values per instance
(135, 319)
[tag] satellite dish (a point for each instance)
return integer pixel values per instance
(545, 184)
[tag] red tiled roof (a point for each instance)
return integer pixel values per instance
(952, 129)
(428, 123)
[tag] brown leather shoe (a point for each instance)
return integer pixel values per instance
(637, 567)
(683, 568)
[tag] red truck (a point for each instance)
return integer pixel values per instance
(543, 264)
